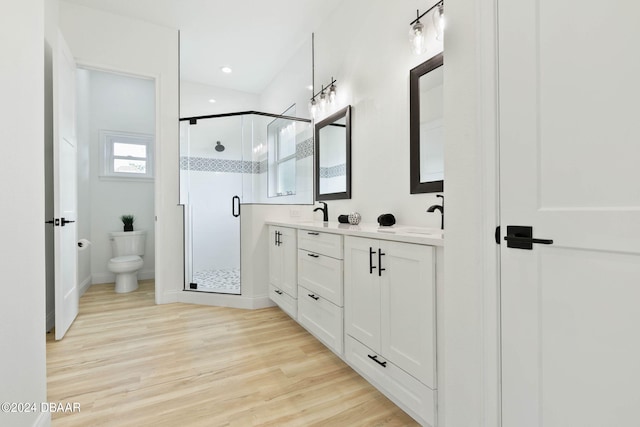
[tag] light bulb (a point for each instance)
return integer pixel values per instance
(332, 93)
(438, 21)
(313, 107)
(416, 38)
(323, 99)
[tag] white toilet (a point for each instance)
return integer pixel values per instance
(128, 249)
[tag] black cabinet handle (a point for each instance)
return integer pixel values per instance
(371, 266)
(279, 292)
(313, 296)
(375, 359)
(235, 212)
(279, 242)
(313, 233)
(275, 238)
(313, 255)
(380, 269)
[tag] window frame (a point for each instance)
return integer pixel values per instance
(107, 140)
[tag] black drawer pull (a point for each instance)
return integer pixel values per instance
(313, 255)
(279, 292)
(375, 359)
(313, 296)
(313, 233)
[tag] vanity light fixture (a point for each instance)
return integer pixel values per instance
(416, 33)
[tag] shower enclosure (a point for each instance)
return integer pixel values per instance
(227, 161)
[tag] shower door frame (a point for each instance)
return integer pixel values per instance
(187, 208)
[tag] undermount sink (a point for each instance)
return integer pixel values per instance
(414, 230)
(425, 231)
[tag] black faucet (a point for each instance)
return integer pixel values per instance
(438, 208)
(325, 211)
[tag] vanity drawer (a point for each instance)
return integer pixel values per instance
(415, 398)
(321, 274)
(286, 302)
(321, 243)
(322, 318)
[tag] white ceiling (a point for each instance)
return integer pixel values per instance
(254, 37)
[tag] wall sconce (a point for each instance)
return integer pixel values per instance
(324, 98)
(416, 33)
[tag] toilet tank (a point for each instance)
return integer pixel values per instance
(127, 242)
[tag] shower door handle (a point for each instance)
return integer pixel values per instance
(235, 206)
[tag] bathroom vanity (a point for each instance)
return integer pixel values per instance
(369, 294)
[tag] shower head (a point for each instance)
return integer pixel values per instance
(219, 147)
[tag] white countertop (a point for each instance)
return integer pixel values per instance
(399, 233)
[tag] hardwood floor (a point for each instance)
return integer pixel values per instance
(129, 362)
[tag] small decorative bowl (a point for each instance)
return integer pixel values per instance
(354, 218)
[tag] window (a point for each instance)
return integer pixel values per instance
(127, 155)
(281, 134)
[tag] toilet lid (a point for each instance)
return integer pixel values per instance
(127, 258)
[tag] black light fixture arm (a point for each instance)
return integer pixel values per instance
(324, 88)
(441, 2)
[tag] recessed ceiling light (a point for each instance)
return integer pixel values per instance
(212, 100)
(226, 69)
(310, 87)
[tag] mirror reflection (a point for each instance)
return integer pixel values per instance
(333, 156)
(427, 132)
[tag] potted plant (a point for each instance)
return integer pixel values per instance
(127, 220)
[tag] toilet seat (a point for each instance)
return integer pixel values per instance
(127, 258)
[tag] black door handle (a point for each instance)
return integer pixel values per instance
(521, 237)
(235, 199)
(371, 266)
(64, 221)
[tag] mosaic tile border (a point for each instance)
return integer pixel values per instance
(206, 164)
(333, 171)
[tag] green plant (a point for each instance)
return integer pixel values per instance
(127, 219)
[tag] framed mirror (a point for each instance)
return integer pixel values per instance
(333, 156)
(426, 126)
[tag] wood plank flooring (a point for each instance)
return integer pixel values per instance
(129, 362)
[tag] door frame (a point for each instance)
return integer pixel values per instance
(471, 392)
(92, 66)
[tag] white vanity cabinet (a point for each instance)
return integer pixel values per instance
(320, 286)
(283, 285)
(390, 320)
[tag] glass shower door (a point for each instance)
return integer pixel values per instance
(212, 165)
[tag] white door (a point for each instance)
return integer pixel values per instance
(362, 291)
(569, 150)
(65, 194)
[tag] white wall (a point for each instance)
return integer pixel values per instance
(371, 64)
(22, 247)
(112, 42)
(123, 104)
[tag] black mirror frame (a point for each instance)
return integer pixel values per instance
(346, 113)
(414, 127)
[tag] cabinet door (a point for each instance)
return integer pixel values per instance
(289, 261)
(408, 312)
(275, 258)
(362, 291)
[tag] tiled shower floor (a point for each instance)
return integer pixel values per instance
(226, 281)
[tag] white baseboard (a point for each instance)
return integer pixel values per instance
(84, 285)
(167, 297)
(222, 300)
(108, 277)
(51, 320)
(44, 420)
